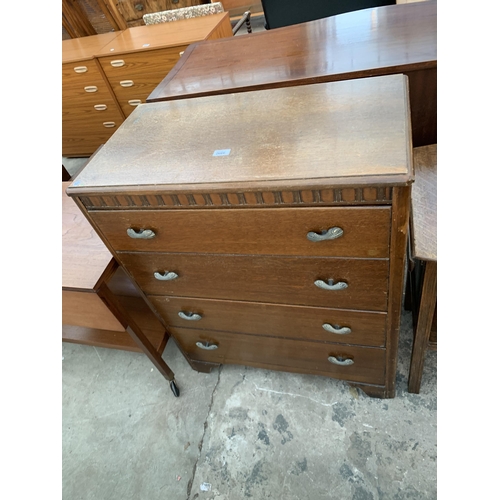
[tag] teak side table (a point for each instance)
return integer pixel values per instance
(100, 305)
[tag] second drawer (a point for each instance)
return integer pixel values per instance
(309, 323)
(283, 280)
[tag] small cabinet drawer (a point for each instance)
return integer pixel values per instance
(356, 364)
(156, 62)
(307, 323)
(80, 78)
(282, 280)
(346, 232)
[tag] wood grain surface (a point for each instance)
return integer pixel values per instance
(424, 203)
(85, 47)
(367, 328)
(145, 38)
(270, 231)
(384, 40)
(283, 354)
(282, 280)
(356, 129)
(85, 258)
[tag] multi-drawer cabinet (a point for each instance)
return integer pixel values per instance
(106, 76)
(139, 58)
(90, 111)
(276, 238)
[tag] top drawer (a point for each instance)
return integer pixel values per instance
(126, 66)
(327, 232)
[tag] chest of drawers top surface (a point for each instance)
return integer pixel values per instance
(78, 49)
(170, 34)
(342, 133)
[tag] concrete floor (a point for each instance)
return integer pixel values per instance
(240, 432)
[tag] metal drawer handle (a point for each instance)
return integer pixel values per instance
(90, 88)
(109, 124)
(166, 276)
(340, 361)
(142, 234)
(127, 83)
(80, 69)
(340, 285)
(339, 330)
(206, 346)
(190, 316)
(332, 234)
(135, 102)
(100, 107)
(117, 63)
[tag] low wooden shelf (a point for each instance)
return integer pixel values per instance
(101, 306)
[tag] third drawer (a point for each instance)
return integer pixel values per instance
(308, 323)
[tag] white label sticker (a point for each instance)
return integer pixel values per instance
(221, 152)
(145, 44)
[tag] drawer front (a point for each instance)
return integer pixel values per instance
(283, 280)
(307, 323)
(74, 85)
(362, 232)
(135, 65)
(88, 74)
(100, 108)
(83, 136)
(139, 91)
(368, 363)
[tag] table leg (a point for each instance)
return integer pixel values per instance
(137, 334)
(423, 326)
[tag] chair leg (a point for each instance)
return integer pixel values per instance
(426, 310)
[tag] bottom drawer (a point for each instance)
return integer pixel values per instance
(367, 364)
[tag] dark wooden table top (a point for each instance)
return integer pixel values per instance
(383, 40)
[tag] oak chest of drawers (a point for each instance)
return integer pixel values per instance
(276, 237)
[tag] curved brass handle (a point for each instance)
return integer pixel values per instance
(340, 361)
(166, 276)
(332, 234)
(340, 285)
(142, 234)
(206, 346)
(339, 330)
(190, 316)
